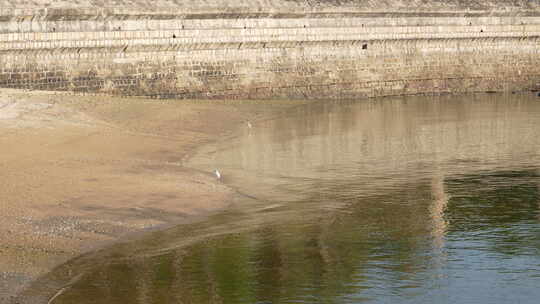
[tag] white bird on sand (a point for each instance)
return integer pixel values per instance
(249, 124)
(217, 174)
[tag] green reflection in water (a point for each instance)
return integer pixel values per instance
(379, 246)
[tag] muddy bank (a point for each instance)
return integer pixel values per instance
(79, 172)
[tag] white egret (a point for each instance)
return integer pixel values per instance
(217, 174)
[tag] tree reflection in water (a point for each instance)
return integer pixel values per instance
(391, 245)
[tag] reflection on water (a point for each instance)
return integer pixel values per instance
(412, 200)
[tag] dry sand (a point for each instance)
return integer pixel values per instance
(78, 172)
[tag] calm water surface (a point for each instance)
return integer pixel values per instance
(407, 200)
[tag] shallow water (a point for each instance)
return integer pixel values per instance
(404, 200)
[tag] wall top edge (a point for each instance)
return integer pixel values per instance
(65, 14)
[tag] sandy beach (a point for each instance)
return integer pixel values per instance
(79, 172)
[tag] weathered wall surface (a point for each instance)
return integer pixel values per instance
(270, 48)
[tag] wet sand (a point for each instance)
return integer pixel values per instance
(80, 172)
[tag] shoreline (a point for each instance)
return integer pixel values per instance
(151, 187)
(84, 172)
(327, 168)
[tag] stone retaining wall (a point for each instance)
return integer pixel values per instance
(270, 54)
